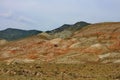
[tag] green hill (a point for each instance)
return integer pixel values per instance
(15, 34)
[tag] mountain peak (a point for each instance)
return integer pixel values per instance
(82, 23)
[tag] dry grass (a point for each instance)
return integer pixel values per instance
(50, 71)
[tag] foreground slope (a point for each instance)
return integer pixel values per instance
(96, 43)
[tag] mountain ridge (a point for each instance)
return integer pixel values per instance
(70, 27)
(12, 34)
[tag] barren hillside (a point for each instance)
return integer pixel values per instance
(96, 43)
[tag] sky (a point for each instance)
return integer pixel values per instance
(50, 14)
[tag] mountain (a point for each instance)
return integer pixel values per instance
(15, 34)
(95, 43)
(73, 27)
(67, 30)
(11, 34)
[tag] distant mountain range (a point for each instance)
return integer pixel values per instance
(15, 34)
(11, 34)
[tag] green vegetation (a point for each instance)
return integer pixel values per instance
(15, 34)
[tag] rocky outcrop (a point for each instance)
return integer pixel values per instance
(44, 36)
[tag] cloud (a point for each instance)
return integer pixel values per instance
(16, 17)
(18, 5)
(6, 14)
(25, 19)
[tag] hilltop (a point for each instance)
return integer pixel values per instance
(70, 27)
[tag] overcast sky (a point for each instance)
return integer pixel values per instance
(50, 14)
